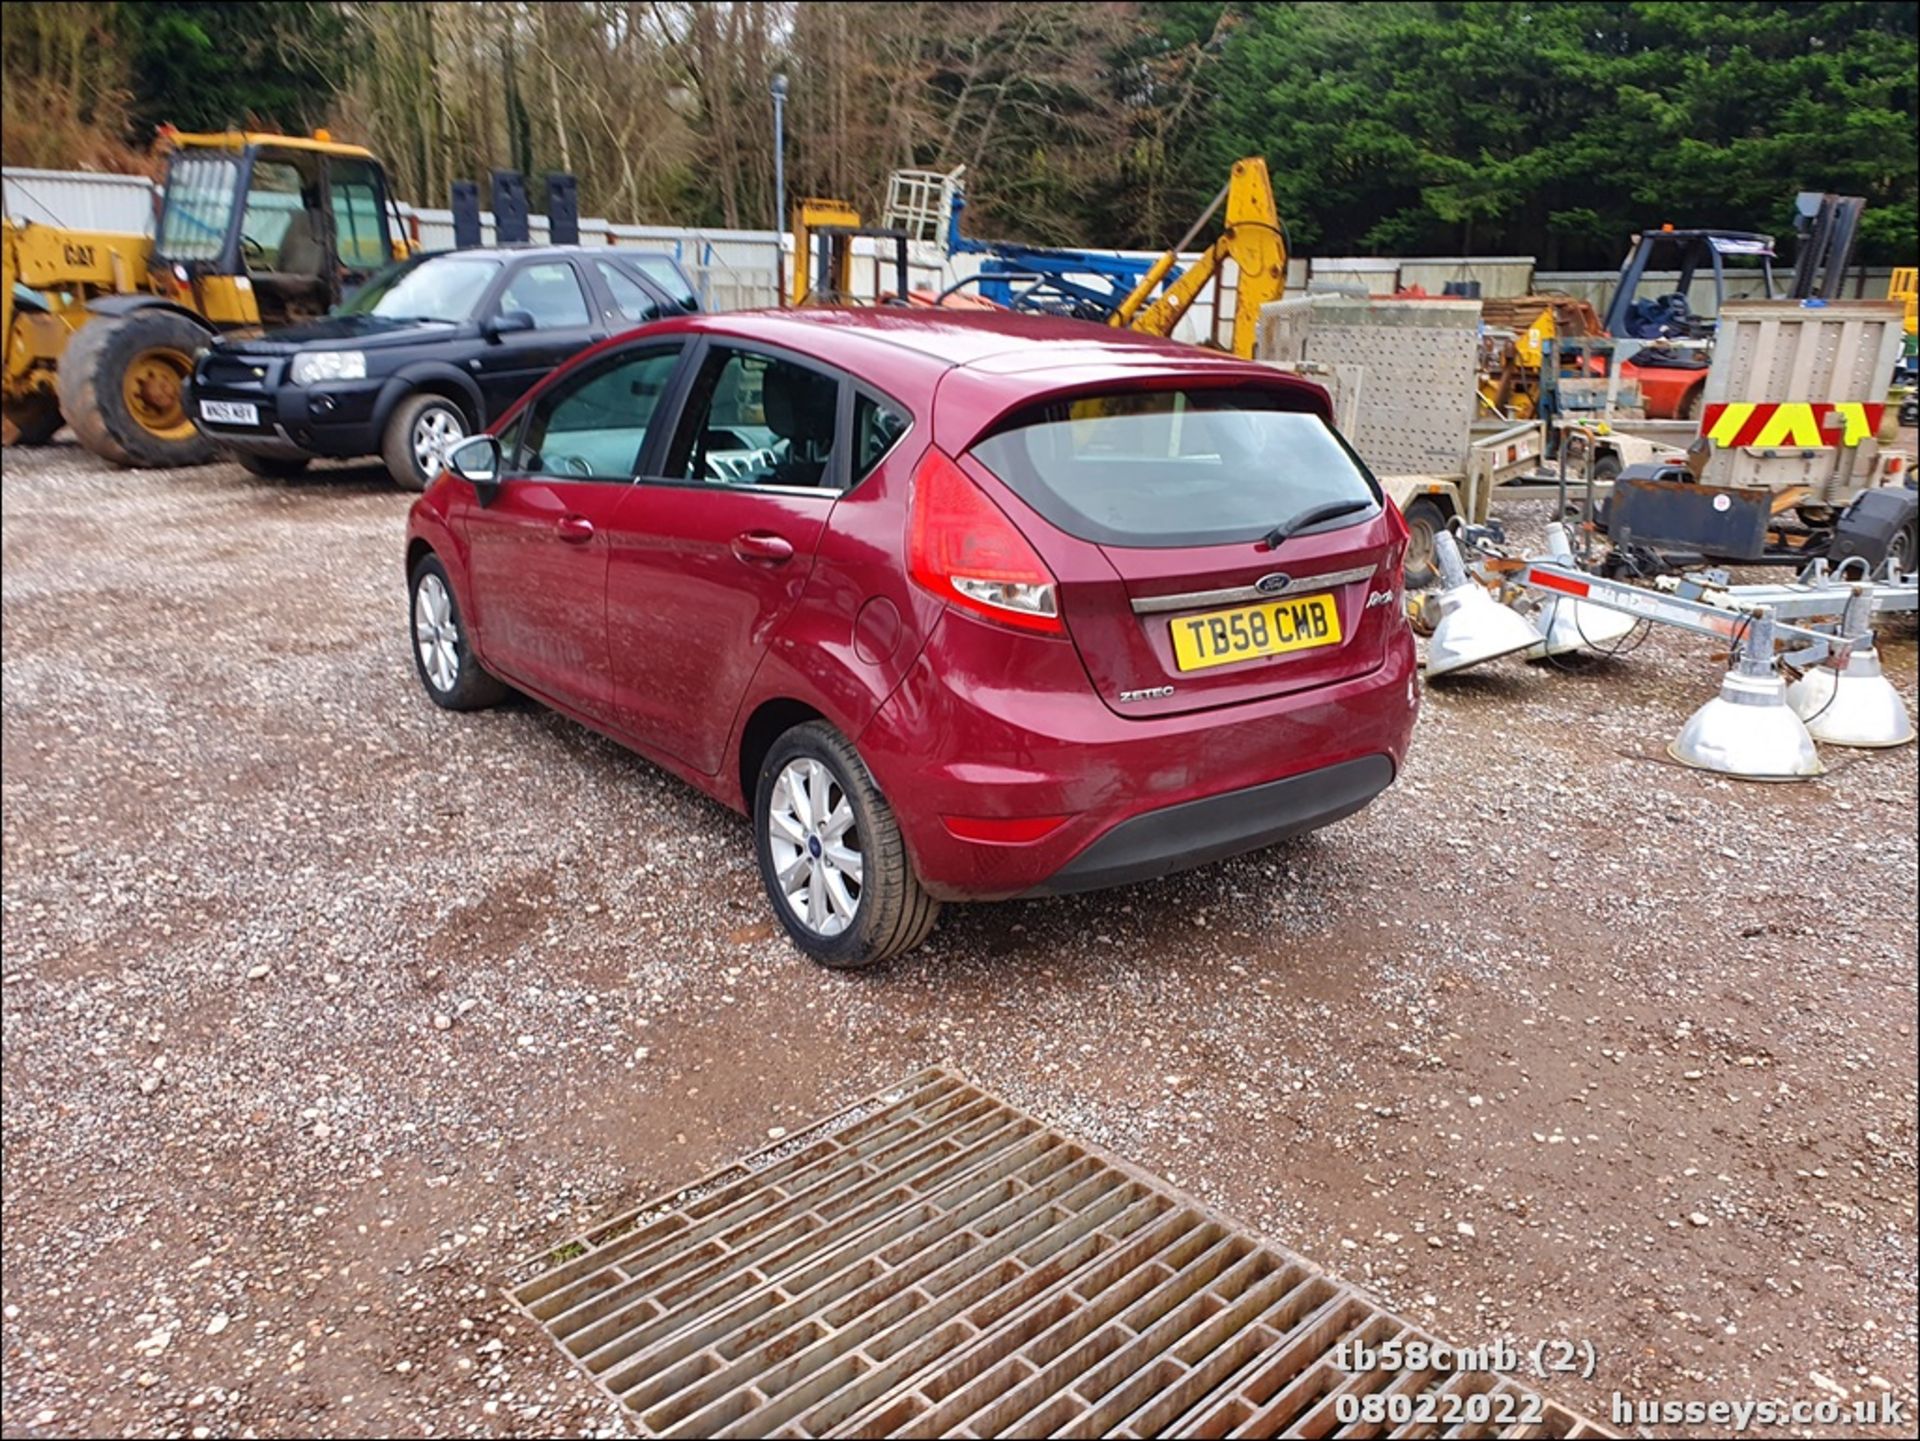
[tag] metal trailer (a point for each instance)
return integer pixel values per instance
(1759, 727)
(1402, 374)
(1786, 461)
(1818, 593)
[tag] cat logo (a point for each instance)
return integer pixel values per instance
(81, 255)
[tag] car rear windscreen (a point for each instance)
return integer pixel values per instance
(1167, 468)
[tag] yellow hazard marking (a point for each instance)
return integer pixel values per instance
(1727, 427)
(1855, 415)
(1791, 423)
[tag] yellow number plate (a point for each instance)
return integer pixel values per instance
(1272, 628)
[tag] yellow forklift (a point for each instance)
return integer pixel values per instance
(250, 229)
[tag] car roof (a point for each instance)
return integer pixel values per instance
(954, 337)
(985, 361)
(535, 250)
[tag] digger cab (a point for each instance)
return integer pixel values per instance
(270, 229)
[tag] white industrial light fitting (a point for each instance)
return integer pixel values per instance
(1748, 730)
(1566, 624)
(1472, 626)
(1857, 706)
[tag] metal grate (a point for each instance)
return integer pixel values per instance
(933, 1262)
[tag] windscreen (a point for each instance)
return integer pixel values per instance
(200, 195)
(1170, 468)
(438, 288)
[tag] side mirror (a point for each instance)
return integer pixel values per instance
(507, 322)
(476, 460)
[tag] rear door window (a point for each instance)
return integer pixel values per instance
(630, 297)
(756, 419)
(663, 272)
(1173, 468)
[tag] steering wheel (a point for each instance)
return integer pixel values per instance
(252, 249)
(735, 466)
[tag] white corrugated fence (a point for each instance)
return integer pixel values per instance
(738, 269)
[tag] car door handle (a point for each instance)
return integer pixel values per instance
(762, 547)
(574, 529)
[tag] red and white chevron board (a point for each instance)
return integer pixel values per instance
(1791, 423)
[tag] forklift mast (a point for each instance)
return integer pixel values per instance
(1828, 227)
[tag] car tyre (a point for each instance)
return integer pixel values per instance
(442, 649)
(420, 428)
(814, 806)
(271, 467)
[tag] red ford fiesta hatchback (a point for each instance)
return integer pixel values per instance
(954, 606)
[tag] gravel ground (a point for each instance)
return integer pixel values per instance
(323, 1007)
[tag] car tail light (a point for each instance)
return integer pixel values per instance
(962, 548)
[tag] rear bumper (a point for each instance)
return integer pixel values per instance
(990, 728)
(1195, 833)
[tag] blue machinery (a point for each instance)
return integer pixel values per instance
(1078, 283)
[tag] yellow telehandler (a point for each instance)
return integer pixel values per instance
(250, 229)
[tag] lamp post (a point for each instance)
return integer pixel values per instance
(780, 184)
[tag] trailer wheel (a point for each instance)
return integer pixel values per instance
(1425, 520)
(32, 419)
(1904, 549)
(1879, 526)
(123, 387)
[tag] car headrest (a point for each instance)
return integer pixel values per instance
(798, 404)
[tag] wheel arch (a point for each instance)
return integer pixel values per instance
(770, 720)
(418, 549)
(430, 378)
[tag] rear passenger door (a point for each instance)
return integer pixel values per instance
(565, 322)
(710, 553)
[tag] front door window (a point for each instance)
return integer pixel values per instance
(549, 292)
(595, 426)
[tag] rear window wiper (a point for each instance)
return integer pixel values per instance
(1278, 536)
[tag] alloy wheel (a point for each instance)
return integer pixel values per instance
(435, 432)
(436, 633)
(815, 843)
